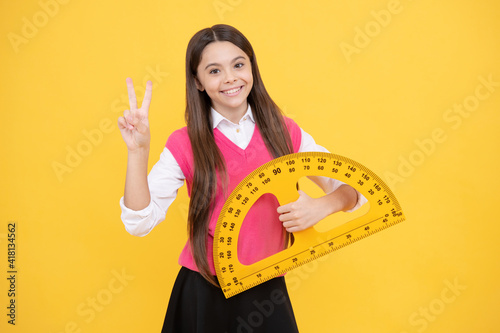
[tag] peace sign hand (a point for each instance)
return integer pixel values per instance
(134, 125)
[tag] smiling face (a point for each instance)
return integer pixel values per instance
(225, 74)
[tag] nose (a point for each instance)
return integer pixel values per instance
(230, 77)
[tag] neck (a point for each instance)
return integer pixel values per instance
(234, 115)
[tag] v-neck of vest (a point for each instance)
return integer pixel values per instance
(224, 139)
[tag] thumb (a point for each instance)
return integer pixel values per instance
(141, 127)
(140, 123)
(302, 193)
(303, 196)
(136, 120)
(133, 119)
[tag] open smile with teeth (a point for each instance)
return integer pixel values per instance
(231, 91)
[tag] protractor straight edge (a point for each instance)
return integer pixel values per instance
(279, 177)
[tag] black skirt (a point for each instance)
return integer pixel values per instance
(196, 306)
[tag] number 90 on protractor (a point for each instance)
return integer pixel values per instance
(279, 177)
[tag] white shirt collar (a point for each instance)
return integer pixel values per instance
(217, 117)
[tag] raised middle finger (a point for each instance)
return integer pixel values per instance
(147, 98)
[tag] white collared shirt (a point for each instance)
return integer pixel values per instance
(240, 133)
(166, 176)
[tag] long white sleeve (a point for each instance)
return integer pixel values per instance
(164, 180)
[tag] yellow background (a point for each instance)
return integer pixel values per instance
(394, 88)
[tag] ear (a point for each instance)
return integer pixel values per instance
(198, 84)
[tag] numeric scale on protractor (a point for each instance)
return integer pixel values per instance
(280, 177)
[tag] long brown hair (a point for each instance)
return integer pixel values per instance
(207, 156)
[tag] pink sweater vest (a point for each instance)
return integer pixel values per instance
(261, 234)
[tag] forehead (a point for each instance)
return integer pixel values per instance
(220, 52)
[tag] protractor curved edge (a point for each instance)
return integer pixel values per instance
(343, 169)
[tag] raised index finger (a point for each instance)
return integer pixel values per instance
(131, 95)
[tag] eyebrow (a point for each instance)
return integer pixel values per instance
(215, 64)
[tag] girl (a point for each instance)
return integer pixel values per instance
(233, 127)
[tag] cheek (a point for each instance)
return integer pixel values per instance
(212, 87)
(249, 78)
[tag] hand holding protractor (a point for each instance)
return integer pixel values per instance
(279, 177)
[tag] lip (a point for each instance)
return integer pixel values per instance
(240, 88)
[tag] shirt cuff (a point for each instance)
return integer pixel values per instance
(135, 221)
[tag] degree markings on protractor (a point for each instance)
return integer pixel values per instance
(280, 177)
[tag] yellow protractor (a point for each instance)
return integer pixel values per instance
(279, 177)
